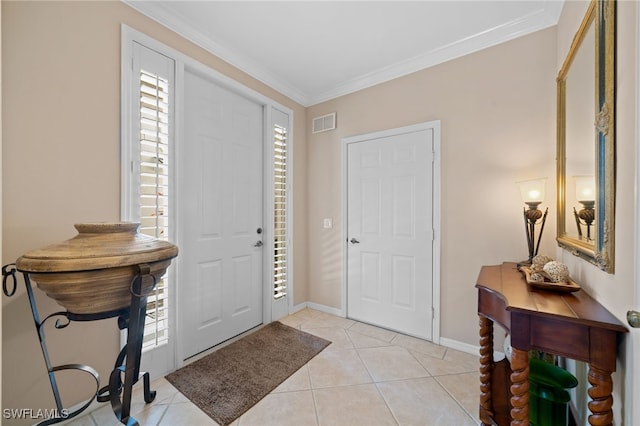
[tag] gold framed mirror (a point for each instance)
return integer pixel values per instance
(586, 139)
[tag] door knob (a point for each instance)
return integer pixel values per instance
(354, 241)
(633, 318)
(258, 244)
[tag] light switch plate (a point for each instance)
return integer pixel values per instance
(327, 223)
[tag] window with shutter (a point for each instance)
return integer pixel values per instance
(280, 236)
(154, 163)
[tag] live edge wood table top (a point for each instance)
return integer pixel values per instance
(572, 325)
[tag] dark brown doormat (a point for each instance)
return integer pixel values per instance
(232, 379)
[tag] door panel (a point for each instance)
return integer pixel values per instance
(370, 276)
(403, 282)
(390, 231)
(220, 278)
(210, 309)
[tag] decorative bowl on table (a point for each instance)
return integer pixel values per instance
(541, 281)
(92, 272)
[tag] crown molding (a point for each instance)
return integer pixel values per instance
(157, 12)
(546, 17)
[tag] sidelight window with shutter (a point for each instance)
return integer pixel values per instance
(147, 180)
(148, 176)
(280, 238)
(154, 163)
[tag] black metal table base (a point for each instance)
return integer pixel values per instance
(118, 392)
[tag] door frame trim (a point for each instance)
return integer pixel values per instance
(429, 125)
(182, 61)
(267, 105)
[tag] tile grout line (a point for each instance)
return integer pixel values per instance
(313, 392)
(375, 382)
(421, 364)
(159, 422)
(454, 398)
(387, 404)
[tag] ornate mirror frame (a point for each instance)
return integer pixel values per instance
(600, 252)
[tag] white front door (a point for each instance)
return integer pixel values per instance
(221, 212)
(390, 230)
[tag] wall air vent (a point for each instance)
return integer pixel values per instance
(324, 123)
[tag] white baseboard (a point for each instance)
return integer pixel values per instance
(460, 346)
(298, 307)
(327, 309)
(319, 307)
(467, 348)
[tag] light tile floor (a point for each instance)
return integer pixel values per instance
(367, 376)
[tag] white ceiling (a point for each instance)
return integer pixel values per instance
(313, 51)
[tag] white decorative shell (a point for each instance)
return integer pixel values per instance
(538, 262)
(556, 271)
(537, 277)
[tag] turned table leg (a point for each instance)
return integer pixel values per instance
(486, 369)
(519, 387)
(601, 399)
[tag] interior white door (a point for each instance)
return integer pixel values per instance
(221, 212)
(390, 232)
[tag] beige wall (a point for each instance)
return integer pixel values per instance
(615, 292)
(61, 165)
(497, 112)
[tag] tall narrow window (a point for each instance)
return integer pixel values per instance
(153, 190)
(280, 236)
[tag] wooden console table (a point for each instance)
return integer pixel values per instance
(572, 325)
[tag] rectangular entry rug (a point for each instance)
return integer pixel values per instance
(234, 378)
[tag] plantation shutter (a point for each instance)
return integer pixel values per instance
(154, 190)
(280, 211)
(148, 182)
